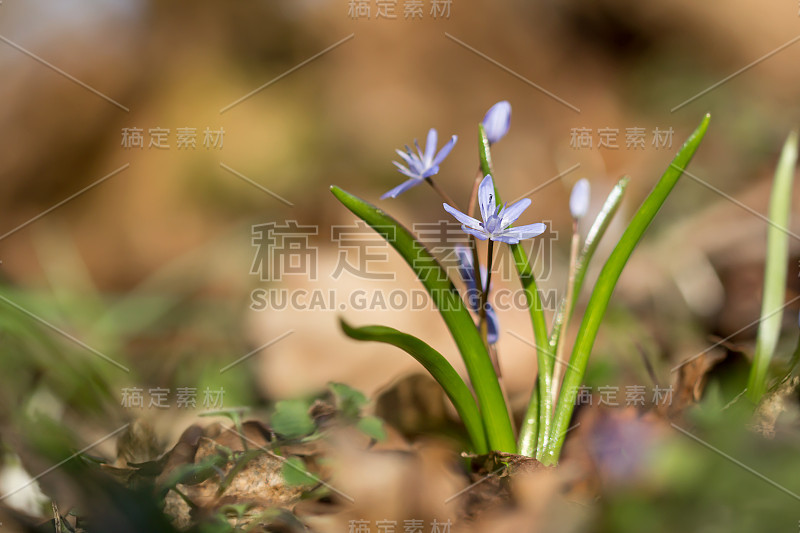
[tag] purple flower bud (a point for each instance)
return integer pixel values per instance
(497, 121)
(579, 199)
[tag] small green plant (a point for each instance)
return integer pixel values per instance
(769, 326)
(485, 414)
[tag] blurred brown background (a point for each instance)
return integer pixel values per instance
(175, 224)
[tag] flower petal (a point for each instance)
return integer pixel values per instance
(403, 187)
(579, 198)
(492, 325)
(445, 151)
(403, 170)
(432, 171)
(522, 232)
(486, 199)
(430, 147)
(465, 266)
(506, 238)
(497, 121)
(421, 155)
(510, 214)
(479, 233)
(462, 217)
(407, 157)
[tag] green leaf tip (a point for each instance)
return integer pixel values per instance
(775, 270)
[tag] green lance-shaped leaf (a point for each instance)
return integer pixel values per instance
(455, 313)
(534, 422)
(598, 302)
(441, 370)
(769, 327)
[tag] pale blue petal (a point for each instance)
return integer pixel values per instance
(486, 199)
(579, 198)
(416, 167)
(497, 121)
(403, 187)
(465, 266)
(430, 147)
(492, 325)
(510, 214)
(405, 155)
(403, 170)
(479, 234)
(464, 255)
(462, 217)
(445, 151)
(506, 238)
(523, 232)
(467, 273)
(431, 172)
(419, 151)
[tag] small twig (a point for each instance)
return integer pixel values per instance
(473, 196)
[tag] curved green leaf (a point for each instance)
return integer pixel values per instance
(769, 327)
(441, 370)
(598, 303)
(455, 313)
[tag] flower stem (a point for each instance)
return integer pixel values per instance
(441, 192)
(558, 368)
(485, 291)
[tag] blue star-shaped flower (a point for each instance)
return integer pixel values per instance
(420, 165)
(467, 272)
(496, 219)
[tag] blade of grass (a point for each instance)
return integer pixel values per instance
(454, 312)
(769, 327)
(528, 432)
(438, 367)
(598, 303)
